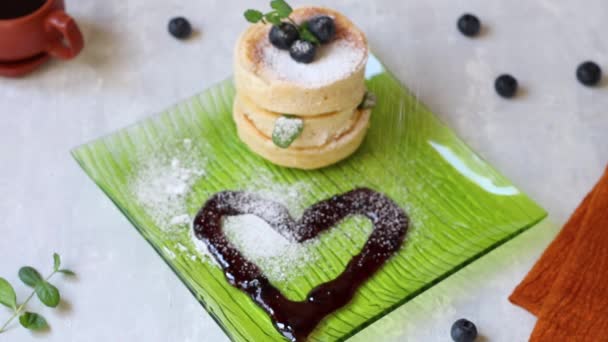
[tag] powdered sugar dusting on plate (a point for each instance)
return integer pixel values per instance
(161, 184)
(333, 62)
(202, 249)
(267, 186)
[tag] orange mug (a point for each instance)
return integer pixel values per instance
(31, 38)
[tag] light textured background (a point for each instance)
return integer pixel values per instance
(552, 141)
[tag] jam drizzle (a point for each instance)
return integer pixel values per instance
(297, 319)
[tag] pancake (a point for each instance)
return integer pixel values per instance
(333, 82)
(300, 157)
(318, 130)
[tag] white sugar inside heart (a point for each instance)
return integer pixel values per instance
(254, 237)
(275, 252)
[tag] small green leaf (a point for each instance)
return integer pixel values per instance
(30, 276)
(7, 294)
(286, 130)
(306, 35)
(56, 261)
(273, 18)
(281, 7)
(253, 16)
(33, 321)
(48, 294)
(67, 272)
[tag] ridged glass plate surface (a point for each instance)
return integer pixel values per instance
(160, 171)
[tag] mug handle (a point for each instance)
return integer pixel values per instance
(72, 42)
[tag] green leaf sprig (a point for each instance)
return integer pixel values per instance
(46, 292)
(281, 11)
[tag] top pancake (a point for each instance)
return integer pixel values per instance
(334, 81)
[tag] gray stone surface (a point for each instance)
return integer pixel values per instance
(552, 141)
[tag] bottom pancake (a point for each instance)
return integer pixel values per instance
(299, 157)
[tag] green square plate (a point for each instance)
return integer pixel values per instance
(160, 171)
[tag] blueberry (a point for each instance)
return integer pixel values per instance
(589, 73)
(283, 36)
(180, 28)
(506, 86)
(469, 25)
(302, 51)
(323, 28)
(463, 331)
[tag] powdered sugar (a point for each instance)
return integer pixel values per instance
(162, 183)
(268, 248)
(202, 249)
(267, 186)
(333, 62)
(273, 248)
(180, 220)
(254, 237)
(169, 252)
(275, 253)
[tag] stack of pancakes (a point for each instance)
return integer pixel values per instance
(325, 94)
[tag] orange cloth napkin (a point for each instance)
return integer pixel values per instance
(568, 287)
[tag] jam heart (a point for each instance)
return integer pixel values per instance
(296, 319)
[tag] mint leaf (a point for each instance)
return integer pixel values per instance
(281, 7)
(286, 130)
(253, 16)
(30, 276)
(7, 294)
(33, 321)
(48, 294)
(56, 262)
(67, 272)
(306, 35)
(273, 18)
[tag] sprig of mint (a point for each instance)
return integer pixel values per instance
(306, 35)
(281, 10)
(286, 129)
(46, 292)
